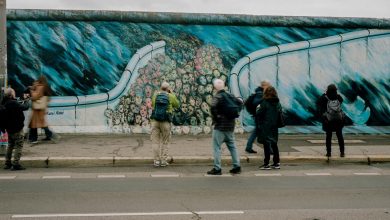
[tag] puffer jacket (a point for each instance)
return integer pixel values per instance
(322, 104)
(220, 122)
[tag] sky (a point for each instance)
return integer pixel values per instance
(332, 8)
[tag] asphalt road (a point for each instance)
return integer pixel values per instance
(295, 192)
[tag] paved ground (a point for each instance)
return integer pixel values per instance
(125, 150)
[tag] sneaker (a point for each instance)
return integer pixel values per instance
(164, 163)
(236, 170)
(214, 172)
(342, 154)
(33, 142)
(17, 167)
(265, 167)
(251, 151)
(46, 139)
(328, 154)
(156, 163)
(7, 166)
(275, 166)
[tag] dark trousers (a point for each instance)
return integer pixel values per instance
(268, 146)
(340, 139)
(33, 136)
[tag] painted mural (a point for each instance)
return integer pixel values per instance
(103, 74)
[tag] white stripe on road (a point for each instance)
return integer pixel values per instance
(367, 174)
(7, 177)
(128, 214)
(219, 212)
(318, 174)
(111, 176)
(56, 177)
(334, 141)
(164, 175)
(268, 174)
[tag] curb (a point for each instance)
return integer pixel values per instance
(74, 162)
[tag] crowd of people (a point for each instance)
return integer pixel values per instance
(263, 105)
(12, 119)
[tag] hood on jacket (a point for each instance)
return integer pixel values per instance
(259, 89)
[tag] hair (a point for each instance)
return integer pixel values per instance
(270, 92)
(9, 93)
(164, 86)
(42, 80)
(331, 90)
(219, 84)
(265, 82)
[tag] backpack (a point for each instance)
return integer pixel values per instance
(333, 110)
(252, 102)
(231, 106)
(160, 112)
(249, 104)
(281, 122)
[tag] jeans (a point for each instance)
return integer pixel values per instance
(340, 138)
(268, 146)
(220, 137)
(33, 136)
(251, 140)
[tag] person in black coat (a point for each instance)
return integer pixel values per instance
(331, 126)
(267, 127)
(13, 124)
(223, 129)
(258, 98)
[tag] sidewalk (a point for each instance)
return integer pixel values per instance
(126, 150)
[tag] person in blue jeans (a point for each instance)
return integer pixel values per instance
(251, 108)
(223, 130)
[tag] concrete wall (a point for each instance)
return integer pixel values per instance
(103, 67)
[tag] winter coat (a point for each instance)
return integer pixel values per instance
(266, 120)
(220, 122)
(38, 116)
(322, 104)
(14, 120)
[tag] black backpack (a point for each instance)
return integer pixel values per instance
(333, 110)
(231, 106)
(160, 111)
(252, 102)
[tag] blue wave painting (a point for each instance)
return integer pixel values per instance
(82, 58)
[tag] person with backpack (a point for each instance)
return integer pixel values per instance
(251, 103)
(163, 104)
(225, 108)
(13, 123)
(268, 121)
(332, 117)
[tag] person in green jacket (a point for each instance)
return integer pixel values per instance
(163, 104)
